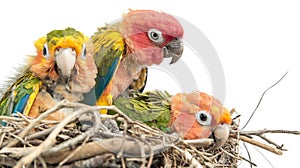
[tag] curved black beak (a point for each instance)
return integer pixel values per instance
(174, 49)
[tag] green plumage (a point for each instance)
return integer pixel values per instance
(108, 50)
(25, 85)
(63, 33)
(152, 108)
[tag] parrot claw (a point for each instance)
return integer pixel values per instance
(220, 135)
(174, 49)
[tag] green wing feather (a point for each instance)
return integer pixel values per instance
(20, 96)
(108, 50)
(152, 108)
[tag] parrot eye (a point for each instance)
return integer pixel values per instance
(45, 51)
(155, 35)
(83, 51)
(203, 118)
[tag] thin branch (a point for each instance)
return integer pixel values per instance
(42, 161)
(264, 131)
(271, 142)
(204, 142)
(35, 122)
(249, 161)
(189, 157)
(116, 109)
(79, 138)
(41, 133)
(75, 151)
(248, 154)
(261, 145)
(8, 118)
(50, 141)
(261, 100)
(24, 117)
(16, 137)
(151, 155)
(264, 157)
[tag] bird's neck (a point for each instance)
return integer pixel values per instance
(127, 71)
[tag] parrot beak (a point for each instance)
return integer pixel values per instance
(65, 59)
(220, 135)
(174, 49)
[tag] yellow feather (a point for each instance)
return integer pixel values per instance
(118, 41)
(108, 39)
(36, 88)
(105, 100)
(66, 42)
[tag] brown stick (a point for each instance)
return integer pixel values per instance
(261, 145)
(34, 122)
(50, 141)
(112, 145)
(258, 132)
(73, 153)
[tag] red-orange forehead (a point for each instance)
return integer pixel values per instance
(182, 104)
(200, 100)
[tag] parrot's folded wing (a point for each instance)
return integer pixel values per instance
(20, 96)
(151, 108)
(108, 50)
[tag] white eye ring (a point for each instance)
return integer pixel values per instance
(203, 118)
(46, 53)
(155, 35)
(83, 51)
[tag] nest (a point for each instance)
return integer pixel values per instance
(87, 138)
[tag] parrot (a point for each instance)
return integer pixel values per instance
(192, 115)
(122, 51)
(63, 68)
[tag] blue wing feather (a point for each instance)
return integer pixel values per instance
(103, 81)
(108, 50)
(20, 96)
(20, 106)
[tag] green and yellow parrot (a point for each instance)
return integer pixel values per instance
(192, 115)
(124, 49)
(63, 68)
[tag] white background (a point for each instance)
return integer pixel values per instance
(257, 42)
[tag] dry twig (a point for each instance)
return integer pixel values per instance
(137, 144)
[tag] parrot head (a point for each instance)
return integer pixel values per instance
(152, 36)
(64, 56)
(198, 115)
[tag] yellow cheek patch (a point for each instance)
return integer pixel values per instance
(39, 44)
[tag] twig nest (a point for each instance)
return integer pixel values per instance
(88, 139)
